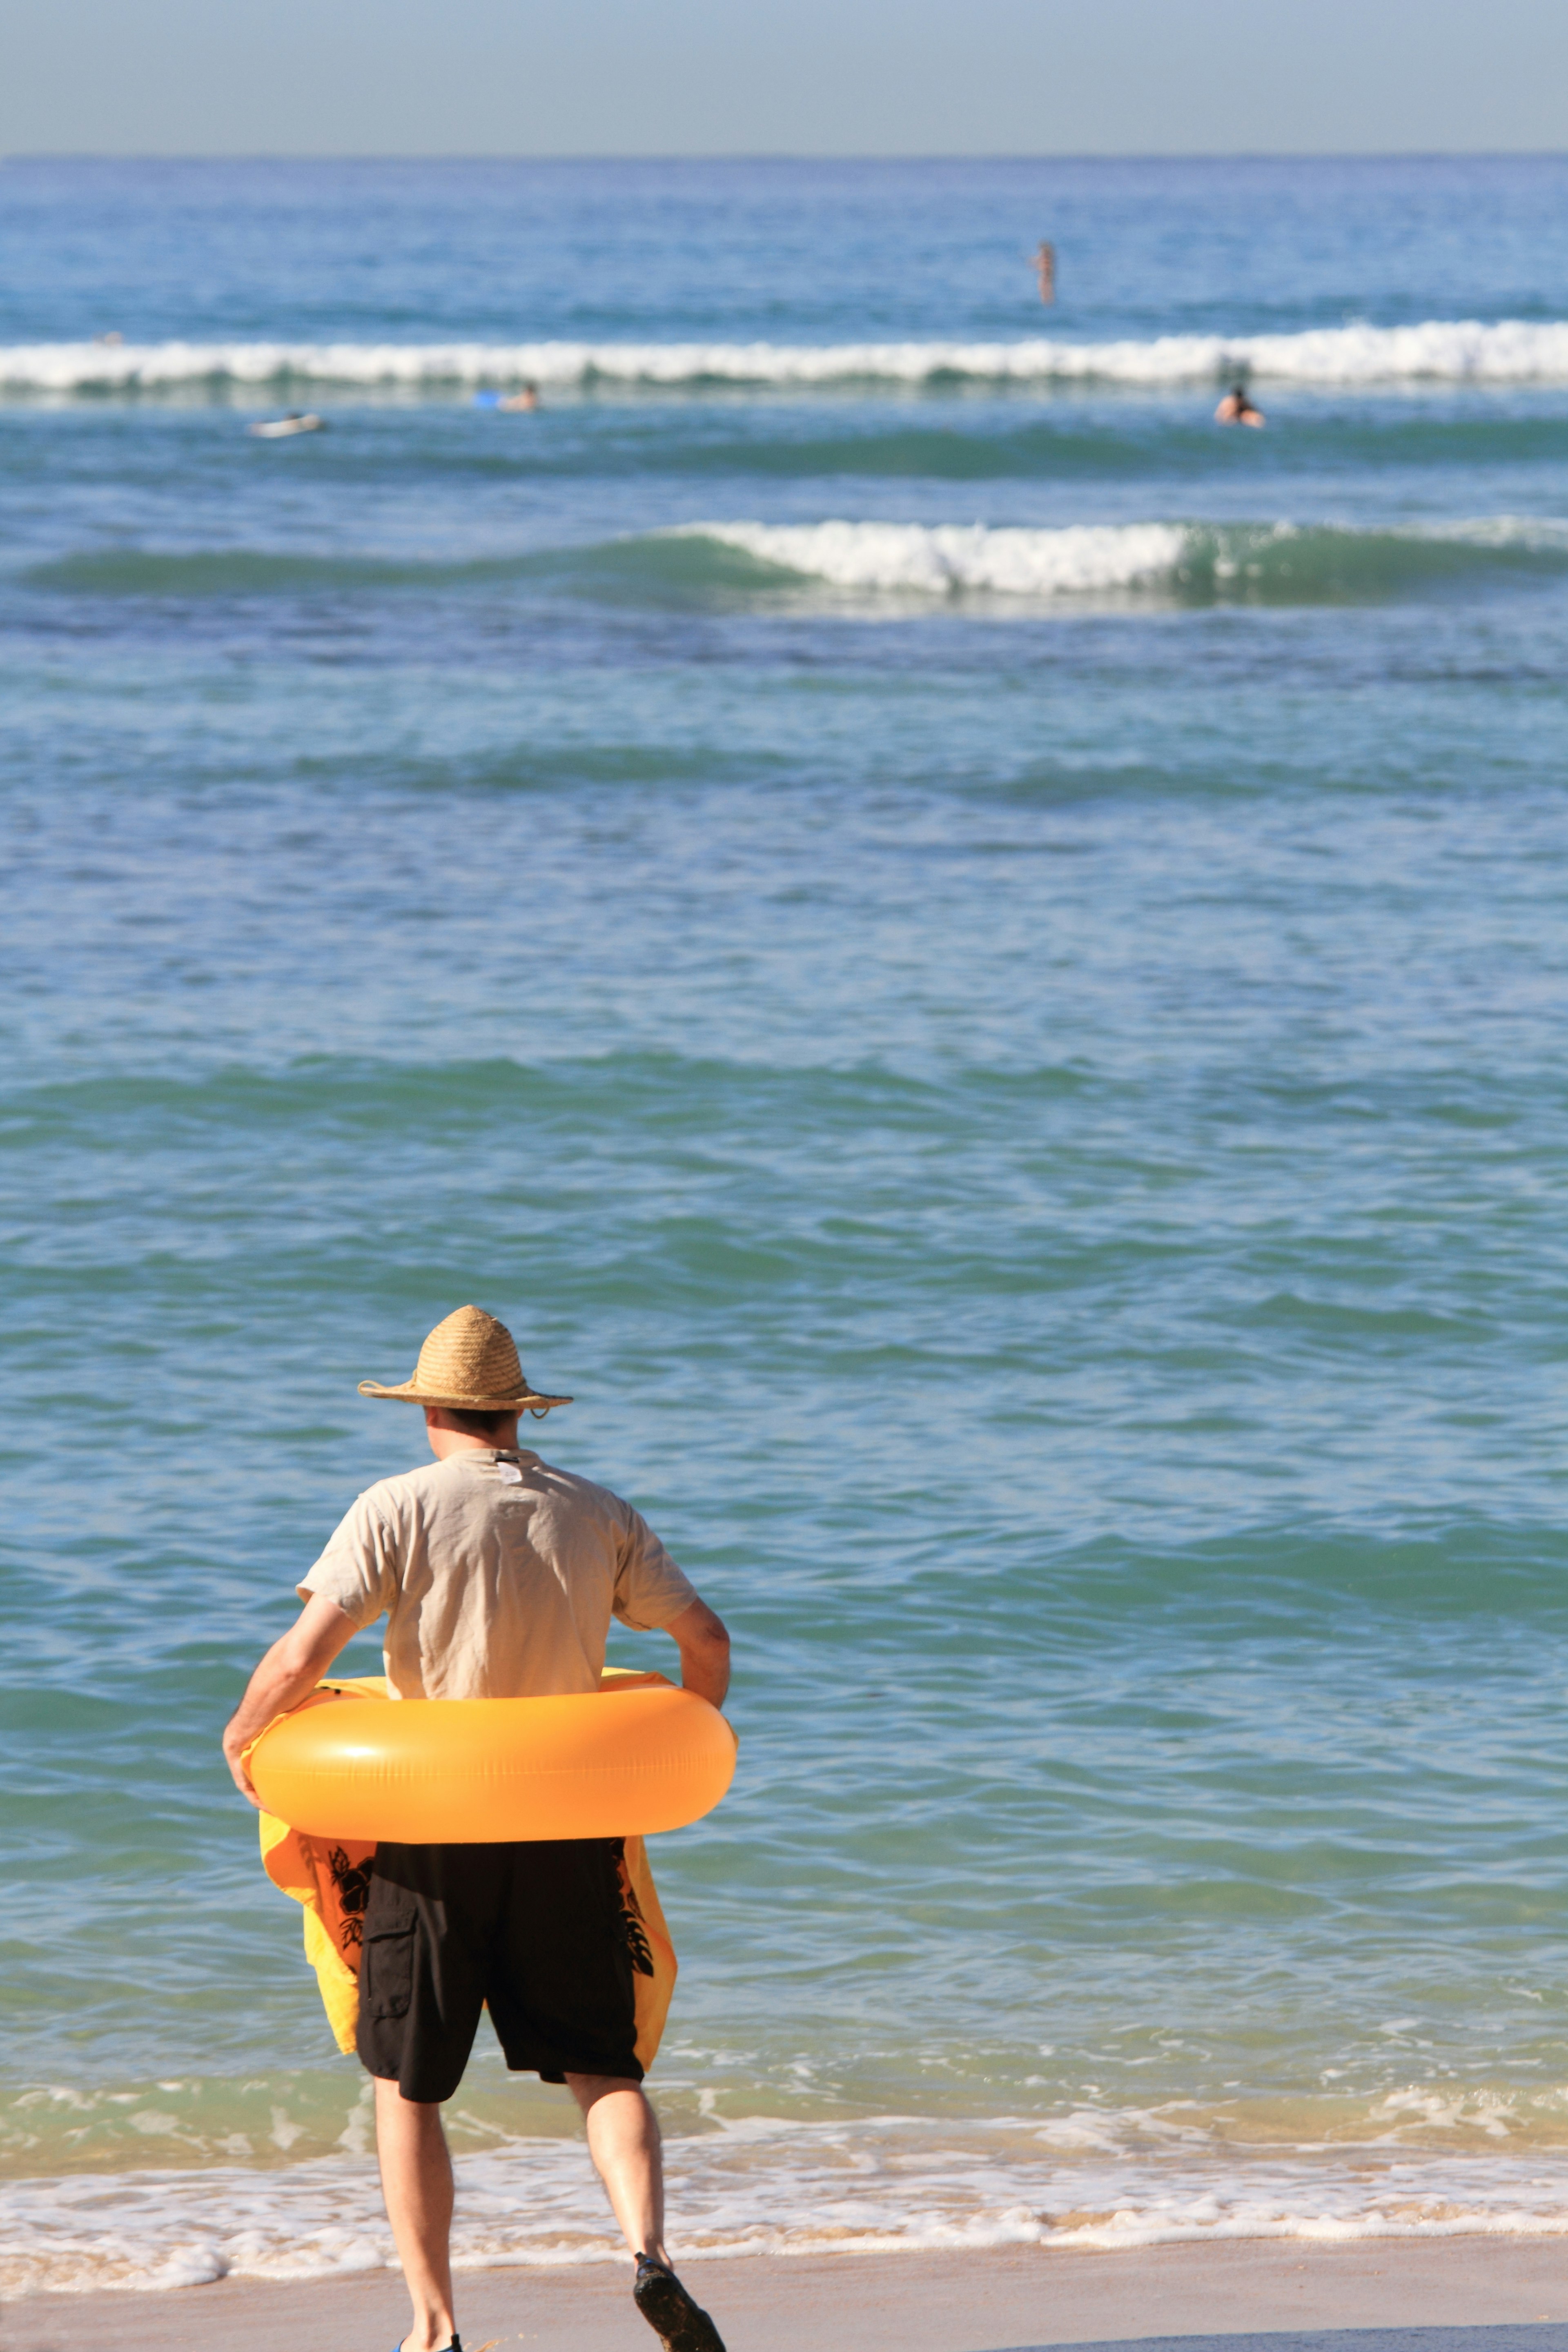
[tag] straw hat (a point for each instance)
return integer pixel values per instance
(469, 1362)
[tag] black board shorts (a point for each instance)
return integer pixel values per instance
(539, 1931)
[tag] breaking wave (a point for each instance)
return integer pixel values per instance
(751, 562)
(1277, 562)
(1092, 2178)
(1508, 350)
(943, 558)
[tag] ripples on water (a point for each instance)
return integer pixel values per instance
(978, 969)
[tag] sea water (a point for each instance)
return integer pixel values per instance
(978, 967)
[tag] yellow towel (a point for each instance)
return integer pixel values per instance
(331, 1878)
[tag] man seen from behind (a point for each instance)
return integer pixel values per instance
(499, 1576)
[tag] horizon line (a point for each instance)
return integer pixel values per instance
(792, 155)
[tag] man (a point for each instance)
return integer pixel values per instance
(499, 1576)
(1046, 270)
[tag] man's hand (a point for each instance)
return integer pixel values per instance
(289, 1673)
(704, 1647)
(241, 1775)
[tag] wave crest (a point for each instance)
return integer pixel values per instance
(1508, 350)
(1275, 563)
(943, 558)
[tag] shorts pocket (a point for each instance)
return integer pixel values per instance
(386, 1965)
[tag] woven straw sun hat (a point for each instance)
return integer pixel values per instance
(468, 1362)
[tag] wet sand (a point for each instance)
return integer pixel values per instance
(1477, 2295)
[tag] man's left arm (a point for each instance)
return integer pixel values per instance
(289, 1673)
(704, 1646)
(652, 1592)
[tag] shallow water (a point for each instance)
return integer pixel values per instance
(977, 967)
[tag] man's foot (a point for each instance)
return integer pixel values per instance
(668, 2308)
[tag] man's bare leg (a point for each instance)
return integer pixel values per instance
(623, 2140)
(416, 2182)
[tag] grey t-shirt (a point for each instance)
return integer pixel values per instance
(500, 1575)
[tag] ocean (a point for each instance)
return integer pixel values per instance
(977, 966)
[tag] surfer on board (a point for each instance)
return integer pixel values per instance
(498, 1575)
(1236, 409)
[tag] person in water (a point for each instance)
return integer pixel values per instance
(283, 428)
(499, 1576)
(1046, 270)
(528, 398)
(1236, 409)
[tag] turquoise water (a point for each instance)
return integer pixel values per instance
(976, 966)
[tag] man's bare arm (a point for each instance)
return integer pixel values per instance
(289, 1673)
(704, 1647)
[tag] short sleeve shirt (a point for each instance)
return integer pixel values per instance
(498, 1575)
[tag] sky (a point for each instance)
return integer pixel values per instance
(808, 77)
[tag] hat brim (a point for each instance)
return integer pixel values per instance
(409, 1392)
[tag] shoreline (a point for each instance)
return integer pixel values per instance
(1000, 2299)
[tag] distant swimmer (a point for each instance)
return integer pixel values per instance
(1236, 409)
(114, 336)
(1046, 270)
(283, 428)
(527, 398)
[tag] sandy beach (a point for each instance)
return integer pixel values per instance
(997, 2301)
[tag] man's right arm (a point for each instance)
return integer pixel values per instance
(704, 1647)
(289, 1673)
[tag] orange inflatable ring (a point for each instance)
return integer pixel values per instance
(637, 1756)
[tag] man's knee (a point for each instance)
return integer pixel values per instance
(589, 2089)
(387, 2087)
(410, 2120)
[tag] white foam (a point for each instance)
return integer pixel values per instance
(942, 559)
(1083, 559)
(762, 2186)
(1459, 351)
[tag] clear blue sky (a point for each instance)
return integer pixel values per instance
(811, 77)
